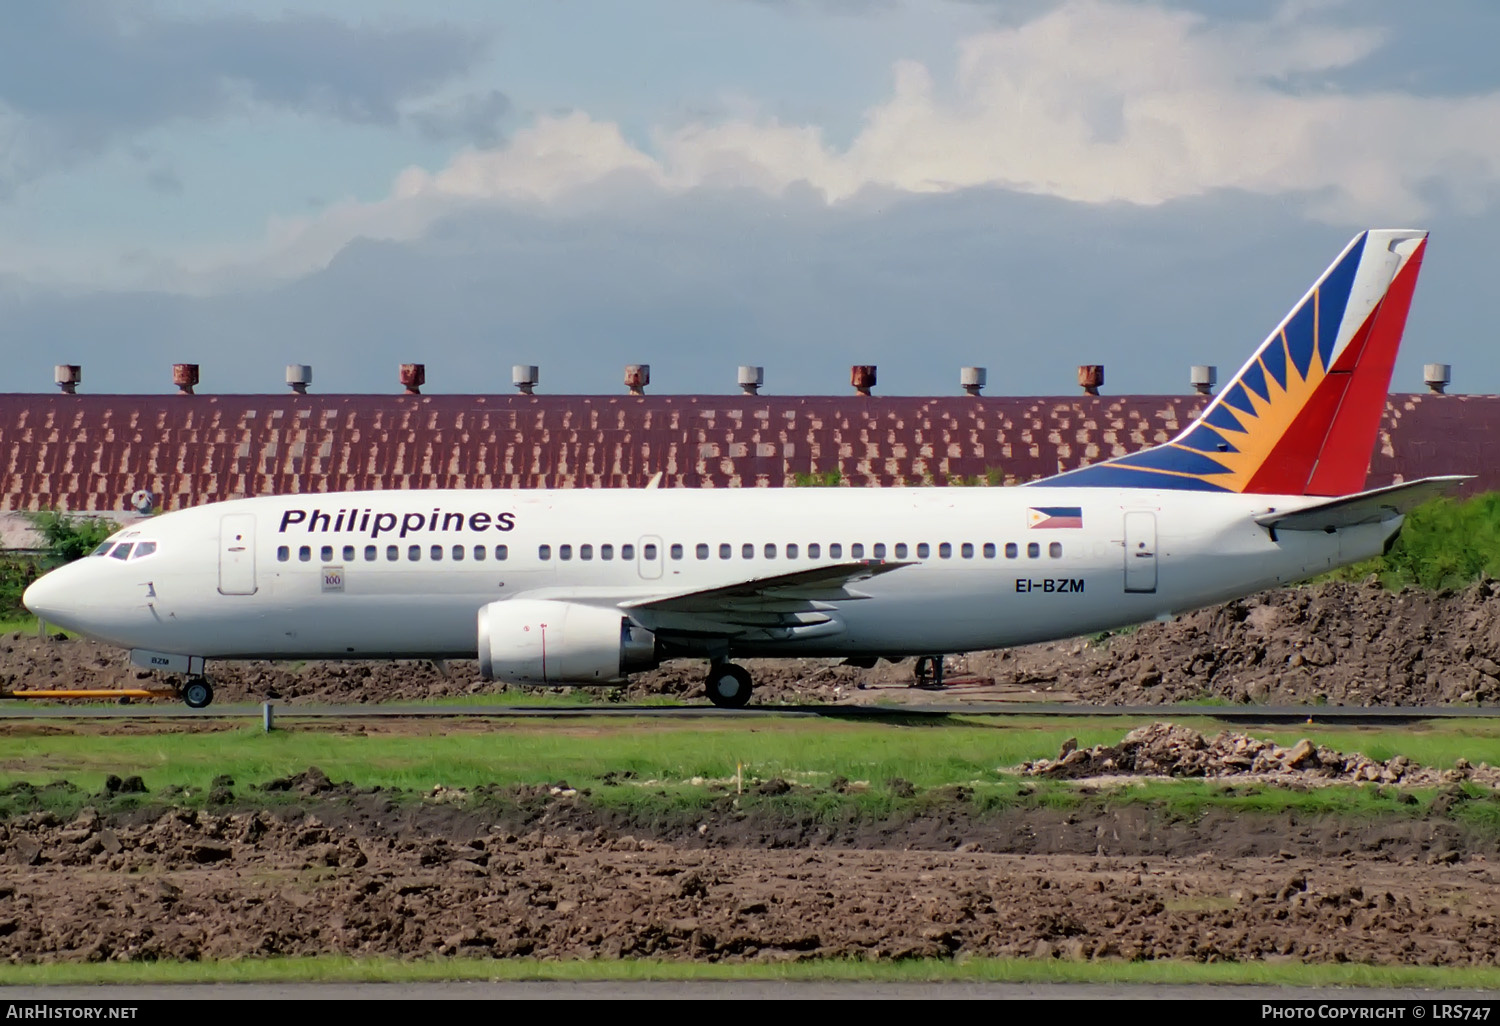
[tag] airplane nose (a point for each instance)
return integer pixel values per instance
(43, 596)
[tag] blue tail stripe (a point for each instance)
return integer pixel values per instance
(1333, 299)
(1169, 457)
(1222, 416)
(1206, 439)
(1237, 397)
(1299, 338)
(1274, 361)
(1112, 475)
(1254, 379)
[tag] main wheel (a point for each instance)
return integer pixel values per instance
(197, 693)
(728, 685)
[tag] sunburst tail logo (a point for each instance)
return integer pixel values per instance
(1300, 417)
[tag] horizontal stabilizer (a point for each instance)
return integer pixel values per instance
(1364, 507)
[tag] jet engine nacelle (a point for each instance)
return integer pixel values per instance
(536, 641)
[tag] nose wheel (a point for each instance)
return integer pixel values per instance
(728, 685)
(197, 693)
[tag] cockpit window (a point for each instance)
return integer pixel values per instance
(102, 549)
(144, 549)
(122, 551)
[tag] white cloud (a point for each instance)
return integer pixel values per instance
(1093, 102)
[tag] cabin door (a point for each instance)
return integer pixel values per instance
(1140, 552)
(237, 554)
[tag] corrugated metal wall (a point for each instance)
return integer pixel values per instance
(91, 452)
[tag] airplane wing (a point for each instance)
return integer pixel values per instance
(783, 605)
(1363, 507)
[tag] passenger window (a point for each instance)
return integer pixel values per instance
(392, 553)
(435, 553)
(627, 551)
(544, 552)
(369, 553)
(102, 549)
(502, 551)
(676, 550)
(791, 550)
(1010, 550)
(857, 550)
(326, 555)
(945, 550)
(835, 551)
(144, 549)
(701, 551)
(606, 552)
(747, 551)
(122, 552)
(923, 550)
(725, 551)
(585, 552)
(348, 553)
(901, 550)
(414, 553)
(479, 553)
(304, 553)
(283, 554)
(989, 550)
(565, 552)
(1055, 550)
(967, 550)
(879, 550)
(770, 550)
(814, 551)
(1033, 550)
(648, 551)
(458, 552)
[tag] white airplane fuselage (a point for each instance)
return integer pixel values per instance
(394, 574)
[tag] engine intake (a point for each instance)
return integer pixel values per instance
(537, 641)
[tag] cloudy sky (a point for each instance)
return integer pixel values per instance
(696, 184)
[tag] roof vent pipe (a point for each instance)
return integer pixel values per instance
(1203, 378)
(751, 378)
(972, 379)
(1091, 377)
(637, 377)
(298, 377)
(525, 376)
(184, 376)
(67, 376)
(1437, 376)
(862, 377)
(413, 377)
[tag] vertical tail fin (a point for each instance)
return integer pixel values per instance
(1300, 417)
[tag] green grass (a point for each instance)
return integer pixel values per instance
(336, 968)
(929, 751)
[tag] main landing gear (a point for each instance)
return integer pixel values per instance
(197, 692)
(728, 685)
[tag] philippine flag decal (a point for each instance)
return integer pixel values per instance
(1055, 516)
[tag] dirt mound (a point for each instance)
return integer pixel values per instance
(546, 873)
(1336, 642)
(1170, 750)
(1333, 643)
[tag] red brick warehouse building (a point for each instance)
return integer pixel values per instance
(78, 451)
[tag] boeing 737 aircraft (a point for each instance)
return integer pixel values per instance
(587, 586)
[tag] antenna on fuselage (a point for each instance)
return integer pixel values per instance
(655, 481)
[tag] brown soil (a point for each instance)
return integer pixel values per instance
(545, 872)
(1334, 643)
